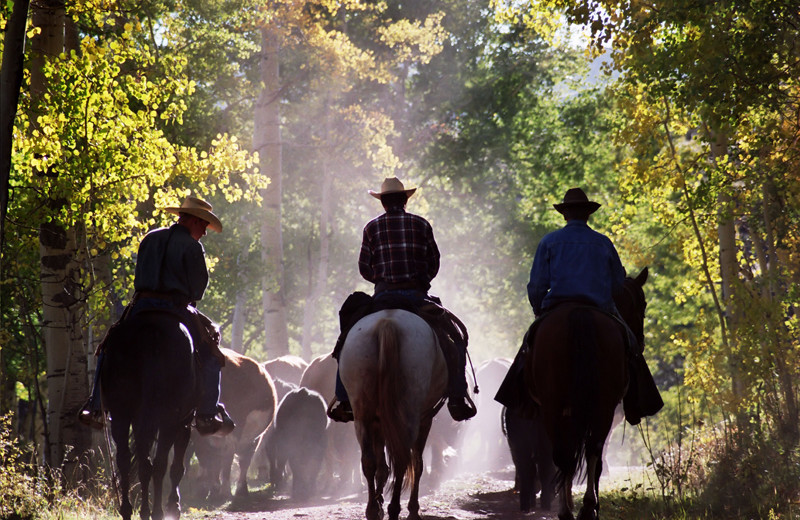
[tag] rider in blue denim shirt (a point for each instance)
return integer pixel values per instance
(575, 262)
(578, 264)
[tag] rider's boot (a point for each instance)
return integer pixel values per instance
(219, 423)
(459, 403)
(339, 409)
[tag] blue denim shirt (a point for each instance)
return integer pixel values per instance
(575, 262)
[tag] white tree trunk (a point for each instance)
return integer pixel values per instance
(67, 379)
(240, 305)
(319, 282)
(267, 142)
(67, 382)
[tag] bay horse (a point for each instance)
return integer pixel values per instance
(395, 375)
(148, 384)
(579, 372)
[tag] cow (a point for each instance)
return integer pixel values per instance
(533, 459)
(288, 368)
(482, 443)
(342, 457)
(250, 398)
(298, 439)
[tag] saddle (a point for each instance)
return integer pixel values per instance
(203, 325)
(641, 399)
(448, 328)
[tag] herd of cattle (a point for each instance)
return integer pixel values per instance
(284, 437)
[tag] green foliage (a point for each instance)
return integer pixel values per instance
(22, 488)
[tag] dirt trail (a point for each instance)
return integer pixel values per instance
(469, 497)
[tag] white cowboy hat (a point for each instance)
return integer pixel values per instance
(200, 209)
(392, 185)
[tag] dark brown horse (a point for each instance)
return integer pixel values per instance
(148, 385)
(579, 372)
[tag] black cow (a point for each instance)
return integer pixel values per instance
(533, 459)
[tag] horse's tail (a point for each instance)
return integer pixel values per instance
(392, 410)
(582, 392)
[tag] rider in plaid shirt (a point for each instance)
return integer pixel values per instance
(398, 247)
(399, 255)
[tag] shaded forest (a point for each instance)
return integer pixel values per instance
(681, 118)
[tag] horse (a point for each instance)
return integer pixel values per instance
(148, 384)
(395, 375)
(579, 372)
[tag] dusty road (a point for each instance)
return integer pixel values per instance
(467, 497)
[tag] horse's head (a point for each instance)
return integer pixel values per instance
(631, 304)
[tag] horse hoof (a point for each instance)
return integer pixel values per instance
(374, 512)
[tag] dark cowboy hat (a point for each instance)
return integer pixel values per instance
(200, 209)
(576, 198)
(392, 185)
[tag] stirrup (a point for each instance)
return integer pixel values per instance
(461, 408)
(340, 411)
(94, 419)
(219, 424)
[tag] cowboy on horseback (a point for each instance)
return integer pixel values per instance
(400, 256)
(578, 264)
(171, 276)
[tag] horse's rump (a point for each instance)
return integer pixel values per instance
(149, 362)
(579, 371)
(394, 372)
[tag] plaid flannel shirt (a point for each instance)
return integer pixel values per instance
(398, 247)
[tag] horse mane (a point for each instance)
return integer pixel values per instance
(391, 412)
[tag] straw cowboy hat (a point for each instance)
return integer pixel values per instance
(200, 209)
(576, 198)
(392, 185)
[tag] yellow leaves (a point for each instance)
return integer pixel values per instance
(413, 40)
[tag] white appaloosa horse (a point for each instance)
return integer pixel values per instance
(395, 376)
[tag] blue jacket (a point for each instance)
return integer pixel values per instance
(575, 263)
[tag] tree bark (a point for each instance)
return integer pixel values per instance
(728, 264)
(10, 83)
(319, 282)
(240, 305)
(62, 332)
(267, 142)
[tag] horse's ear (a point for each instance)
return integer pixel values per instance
(642, 278)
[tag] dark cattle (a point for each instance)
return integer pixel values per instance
(341, 471)
(298, 439)
(482, 444)
(249, 395)
(533, 459)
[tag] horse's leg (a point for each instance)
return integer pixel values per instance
(397, 488)
(145, 472)
(245, 457)
(369, 465)
(177, 470)
(166, 438)
(419, 468)
(119, 431)
(594, 466)
(565, 499)
(382, 474)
